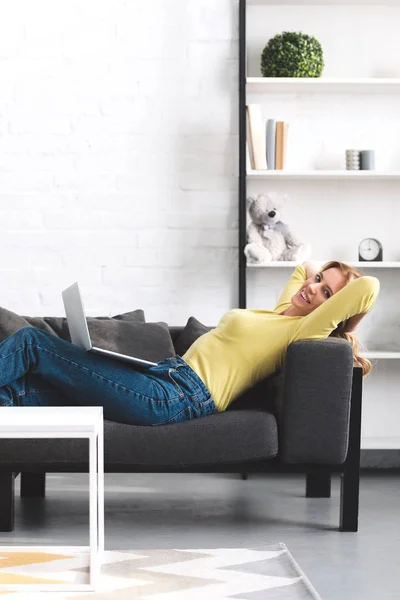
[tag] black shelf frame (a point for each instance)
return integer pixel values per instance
(318, 477)
(242, 153)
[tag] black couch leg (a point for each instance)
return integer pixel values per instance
(245, 476)
(349, 494)
(7, 501)
(318, 485)
(33, 485)
(350, 479)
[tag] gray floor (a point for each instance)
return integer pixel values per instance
(205, 511)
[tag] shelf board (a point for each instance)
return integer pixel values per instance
(381, 354)
(323, 2)
(353, 263)
(377, 85)
(323, 174)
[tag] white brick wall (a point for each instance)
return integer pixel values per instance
(118, 156)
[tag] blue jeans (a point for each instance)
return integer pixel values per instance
(39, 369)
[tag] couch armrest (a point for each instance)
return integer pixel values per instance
(313, 402)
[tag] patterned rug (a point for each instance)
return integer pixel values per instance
(269, 573)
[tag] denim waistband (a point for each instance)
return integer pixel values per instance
(203, 394)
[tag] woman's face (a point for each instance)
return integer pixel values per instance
(318, 289)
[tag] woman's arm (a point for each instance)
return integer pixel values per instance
(353, 322)
(295, 282)
(355, 299)
(297, 279)
(313, 267)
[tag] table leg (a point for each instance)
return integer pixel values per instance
(100, 491)
(93, 517)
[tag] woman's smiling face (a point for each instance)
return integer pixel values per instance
(318, 289)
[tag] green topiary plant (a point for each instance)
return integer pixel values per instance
(292, 54)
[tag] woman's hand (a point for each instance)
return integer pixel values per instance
(353, 322)
(312, 267)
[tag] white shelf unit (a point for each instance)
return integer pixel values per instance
(352, 263)
(324, 2)
(330, 85)
(381, 355)
(325, 174)
(384, 88)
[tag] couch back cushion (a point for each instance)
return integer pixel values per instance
(192, 330)
(126, 333)
(150, 341)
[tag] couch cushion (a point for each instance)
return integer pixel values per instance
(125, 333)
(237, 436)
(10, 322)
(133, 315)
(59, 325)
(150, 341)
(229, 437)
(192, 330)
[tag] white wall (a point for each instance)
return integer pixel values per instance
(118, 160)
(334, 216)
(118, 156)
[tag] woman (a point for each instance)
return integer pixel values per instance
(39, 369)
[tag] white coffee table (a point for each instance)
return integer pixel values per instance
(65, 422)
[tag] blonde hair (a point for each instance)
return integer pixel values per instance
(349, 274)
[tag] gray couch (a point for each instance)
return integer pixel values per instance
(306, 418)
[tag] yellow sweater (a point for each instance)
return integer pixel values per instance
(248, 345)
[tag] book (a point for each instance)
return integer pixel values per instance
(281, 144)
(249, 166)
(249, 143)
(271, 134)
(257, 142)
(285, 138)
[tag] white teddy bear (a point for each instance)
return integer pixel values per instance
(267, 236)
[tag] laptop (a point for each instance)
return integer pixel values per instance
(79, 330)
